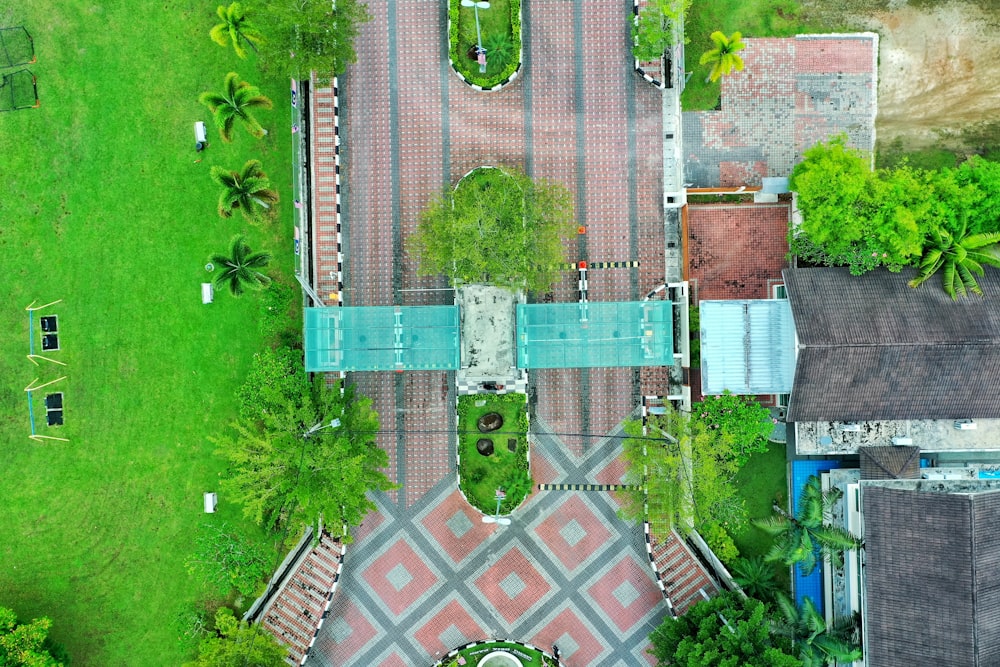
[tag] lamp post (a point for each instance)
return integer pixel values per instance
(334, 423)
(502, 521)
(480, 51)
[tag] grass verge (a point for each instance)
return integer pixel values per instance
(482, 475)
(107, 207)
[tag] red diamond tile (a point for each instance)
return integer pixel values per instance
(350, 630)
(457, 527)
(451, 615)
(393, 661)
(542, 471)
(573, 532)
(626, 593)
(612, 473)
(587, 649)
(372, 521)
(512, 585)
(399, 577)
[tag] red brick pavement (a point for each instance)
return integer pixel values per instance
(735, 250)
(573, 514)
(626, 574)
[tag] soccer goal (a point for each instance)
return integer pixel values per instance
(18, 91)
(16, 47)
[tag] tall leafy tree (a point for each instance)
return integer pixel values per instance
(743, 420)
(306, 36)
(726, 631)
(806, 537)
(24, 644)
(240, 269)
(653, 31)
(235, 29)
(723, 56)
(248, 190)
(498, 226)
(681, 473)
(302, 452)
(960, 257)
(817, 643)
(237, 101)
(227, 560)
(238, 644)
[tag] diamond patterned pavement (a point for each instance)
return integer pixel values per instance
(427, 572)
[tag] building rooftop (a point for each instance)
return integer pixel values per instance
(870, 348)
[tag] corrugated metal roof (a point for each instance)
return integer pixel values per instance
(747, 346)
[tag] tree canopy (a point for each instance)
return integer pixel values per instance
(287, 465)
(25, 644)
(863, 219)
(309, 35)
(743, 420)
(237, 644)
(725, 631)
(498, 226)
(682, 471)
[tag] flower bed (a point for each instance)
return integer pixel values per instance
(476, 654)
(481, 475)
(500, 26)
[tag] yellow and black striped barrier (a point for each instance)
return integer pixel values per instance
(600, 265)
(580, 487)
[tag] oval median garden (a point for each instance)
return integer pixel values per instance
(493, 451)
(485, 41)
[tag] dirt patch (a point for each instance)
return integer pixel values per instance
(937, 69)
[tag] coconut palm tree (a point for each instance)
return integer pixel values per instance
(235, 28)
(803, 537)
(959, 256)
(235, 101)
(723, 56)
(817, 643)
(239, 269)
(248, 190)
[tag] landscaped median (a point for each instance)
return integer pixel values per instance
(498, 654)
(498, 33)
(493, 450)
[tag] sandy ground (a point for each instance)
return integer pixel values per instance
(938, 69)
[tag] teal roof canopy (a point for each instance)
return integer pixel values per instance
(381, 338)
(747, 346)
(595, 334)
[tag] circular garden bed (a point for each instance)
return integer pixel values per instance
(498, 654)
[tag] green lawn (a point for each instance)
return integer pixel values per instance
(751, 18)
(762, 482)
(481, 476)
(105, 207)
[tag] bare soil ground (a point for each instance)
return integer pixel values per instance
(938, 68)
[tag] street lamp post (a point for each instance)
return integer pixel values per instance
(499, 520)
(334, 423)
(480, 51)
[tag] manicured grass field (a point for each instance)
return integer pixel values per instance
(105, 205)
(481, 476)
(761, 483)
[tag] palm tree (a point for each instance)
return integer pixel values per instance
(818, 644)
(248, 190)
(960, 255)
(756, 577)
(235, 101)
(239, 269)
(803, 537)
(723, 56)
(235, 28)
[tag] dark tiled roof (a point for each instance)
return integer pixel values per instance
(932, 578)
(872, 348)
(897, 462)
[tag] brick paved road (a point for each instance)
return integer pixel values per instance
(578, 115)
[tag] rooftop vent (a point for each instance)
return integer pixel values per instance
(965, 424)
(900, 440)
(850, 426)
